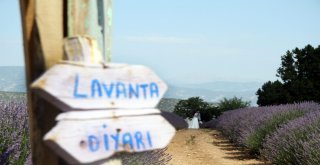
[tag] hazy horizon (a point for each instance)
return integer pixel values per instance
(12, 79)
(206, 41)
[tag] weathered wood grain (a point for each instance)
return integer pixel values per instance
(82, 49)
(92, 18)
(100, 114)
(80, 140)
(72, 87)
(48, 16)
(42, 39)
(44, 25)
(107, 29)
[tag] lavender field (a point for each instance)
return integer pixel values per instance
(14, 136)
(284, 134)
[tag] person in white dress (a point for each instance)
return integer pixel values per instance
(194, 124)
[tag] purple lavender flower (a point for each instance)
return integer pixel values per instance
(4, 157)
(285, 134)
(157, 157)
(14, 138)
(297, 142)
(14, 133)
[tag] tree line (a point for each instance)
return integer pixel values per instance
(299, 75)
(300, 79)
(188, 107)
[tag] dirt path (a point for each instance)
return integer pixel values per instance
(206, 147)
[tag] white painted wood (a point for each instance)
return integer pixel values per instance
(80, 140)
(94, 65)
(73, 87)
(100, 114)
(82, 48)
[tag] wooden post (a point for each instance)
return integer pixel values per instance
(107, 33)
(42, 23)
(92, 18)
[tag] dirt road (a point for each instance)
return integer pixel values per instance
(206, 147)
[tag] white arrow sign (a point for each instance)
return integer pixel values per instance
(89, 136)
(73, 87)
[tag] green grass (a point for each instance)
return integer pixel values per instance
(255, 141)
(24, 149)
(12, 96)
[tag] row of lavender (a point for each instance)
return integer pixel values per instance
(284, 134)
(15, 146)
(14, 136)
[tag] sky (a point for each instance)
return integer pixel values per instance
(187, 41)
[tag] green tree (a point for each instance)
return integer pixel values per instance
(272, 93)
(187, 108)
(233, 103)
(300, 74)
(287, 72)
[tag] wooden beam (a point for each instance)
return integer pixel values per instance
(107, 29)
(92, 18)
(42, 25)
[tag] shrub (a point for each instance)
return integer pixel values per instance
(231, 104)
(297, 142)
(187, 108)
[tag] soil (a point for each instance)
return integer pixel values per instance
(207, 147)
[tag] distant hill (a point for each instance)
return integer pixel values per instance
(227, 86)
(215, 91)
(12, 96)
(12, 79)
(167, 104)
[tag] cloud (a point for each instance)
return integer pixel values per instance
(159, 39)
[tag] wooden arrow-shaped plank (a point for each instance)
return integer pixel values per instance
(84, 140)
(76, 87)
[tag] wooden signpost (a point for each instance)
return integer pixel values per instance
(109, 110)
(109, 107)
(76, 87)
(89, 136)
